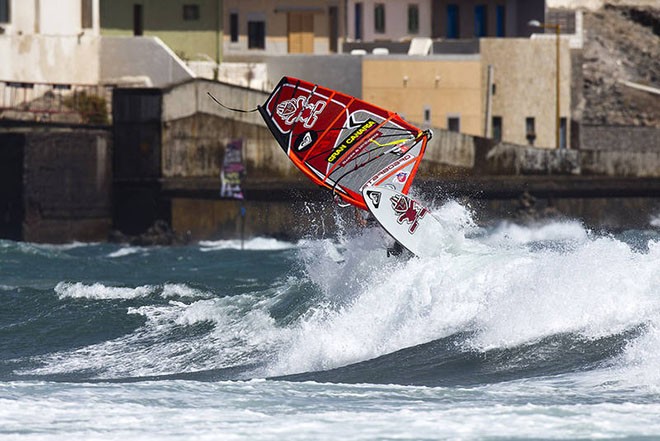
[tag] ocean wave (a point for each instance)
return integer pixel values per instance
(504, 293)
(126, 251)
(99, 291)
(253, 244)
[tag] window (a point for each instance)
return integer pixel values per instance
(85, 14)
(413, 19)
(480, 21)
(358, 21)
(454, 124)
(497, 128)
(256, 35)
(500, 21)
(4, 11)
(530, 132)
(233, 27)
(138, 23)
(333, 24)
(427, 115)
(452, 21)
(562, 133)
(379, 18)
(190, 12)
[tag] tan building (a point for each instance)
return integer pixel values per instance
(507, 91)
(281, 27)
(438, 91)
(523, 90)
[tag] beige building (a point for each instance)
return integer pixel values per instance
(523, 90)
(437, 91)
(507, 91)
(282, 27)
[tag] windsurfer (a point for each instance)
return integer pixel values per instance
(365, 219)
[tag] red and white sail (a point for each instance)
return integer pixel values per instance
(341, 142)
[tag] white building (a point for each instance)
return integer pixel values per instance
(58, 42)
(49, 41)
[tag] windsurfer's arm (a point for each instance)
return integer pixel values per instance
(360, 217)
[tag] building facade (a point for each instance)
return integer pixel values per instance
(393, 20)
(191, 28)
(283, 27)
(43, 41)
(506, 91)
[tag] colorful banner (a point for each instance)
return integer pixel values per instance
(232, 171)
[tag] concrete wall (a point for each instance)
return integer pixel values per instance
(620, 138)
(286, 219)
(39, 58)
(451, 149)
(123, 58)
(644, 164)
(65, 186)
(339, 72)
(196, 130)
(509, 159)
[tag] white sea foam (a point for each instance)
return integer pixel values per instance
(125, 251)
(655, 221)
(254, 244)
(273, 410)
(494, 285)
(510, 233)
(99, 291)
(241, 329)
(183, 290)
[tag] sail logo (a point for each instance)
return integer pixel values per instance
(351, 140)
(400, 178)
(385, 172)
(375, 197)
(299, 109)
(408, 211)
(305, 140)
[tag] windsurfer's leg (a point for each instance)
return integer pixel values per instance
(395, 250)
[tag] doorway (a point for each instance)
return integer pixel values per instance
(301, 32)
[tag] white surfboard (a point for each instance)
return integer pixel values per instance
(405, 219)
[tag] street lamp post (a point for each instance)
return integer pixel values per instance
(557, 28)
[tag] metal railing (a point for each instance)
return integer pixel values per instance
(56, 102)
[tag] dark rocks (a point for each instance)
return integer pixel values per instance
(160, 233)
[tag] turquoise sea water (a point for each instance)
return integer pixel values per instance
(513, 332)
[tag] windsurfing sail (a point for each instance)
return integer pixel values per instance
(341, 142)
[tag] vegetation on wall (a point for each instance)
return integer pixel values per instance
(92, 108)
